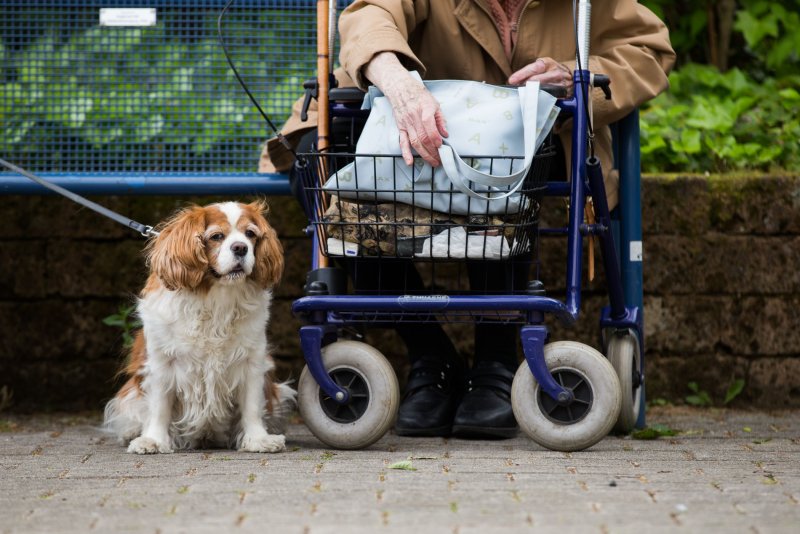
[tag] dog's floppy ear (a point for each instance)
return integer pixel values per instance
(177, 255)
(268, 268)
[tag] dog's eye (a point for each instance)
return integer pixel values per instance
(219, 236)
(250, 234)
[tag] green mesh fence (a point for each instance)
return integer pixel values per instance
(78, 95)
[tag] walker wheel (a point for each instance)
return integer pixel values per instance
(581, 423)
(374, 396)
(623, 353)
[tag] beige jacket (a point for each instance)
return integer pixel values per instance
(457, 39)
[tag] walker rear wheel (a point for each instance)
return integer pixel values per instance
(374, 396)
(580, 423)
(623, 353)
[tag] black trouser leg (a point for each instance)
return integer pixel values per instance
(493, 341)
(399, 277)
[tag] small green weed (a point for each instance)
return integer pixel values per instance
(659, 401)
(654, 432)
(125, 320)
(734, 390)
(8, 426)
(699, 397)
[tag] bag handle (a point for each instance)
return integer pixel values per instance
(460, 173)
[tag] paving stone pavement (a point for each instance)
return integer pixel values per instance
(726, 471)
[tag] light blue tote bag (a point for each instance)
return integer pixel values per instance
(494, 134)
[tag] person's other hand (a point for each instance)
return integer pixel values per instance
(420, 121)
(544, 70)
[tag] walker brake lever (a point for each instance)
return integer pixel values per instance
(311, 87)
(604, 83)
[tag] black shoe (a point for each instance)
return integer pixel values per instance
(485, 411)
(430, 400)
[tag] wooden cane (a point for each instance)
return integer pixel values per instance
(323, 121)
(590, 219)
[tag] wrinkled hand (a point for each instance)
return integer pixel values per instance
(544, 70)
(416, 111)
(420, 121)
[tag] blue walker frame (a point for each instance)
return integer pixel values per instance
(623, 272)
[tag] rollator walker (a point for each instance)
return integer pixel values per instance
(566, 395)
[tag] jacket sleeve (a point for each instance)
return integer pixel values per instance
(631, 46)
(368, 27)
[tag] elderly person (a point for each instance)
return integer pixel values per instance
(498, 42)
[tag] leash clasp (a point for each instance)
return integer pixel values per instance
(149, 232)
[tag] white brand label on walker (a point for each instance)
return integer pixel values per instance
(424, 298)
(124, 16)
(350, 249)
(423, 302)
(636, 251)
(337, 247)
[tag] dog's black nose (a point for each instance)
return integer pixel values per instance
(239, 249)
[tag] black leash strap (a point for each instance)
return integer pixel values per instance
(145, 230)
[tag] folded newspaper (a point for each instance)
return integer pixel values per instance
(457, 243)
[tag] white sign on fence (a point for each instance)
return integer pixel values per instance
(123, 16)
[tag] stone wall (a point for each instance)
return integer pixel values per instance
(722, 290)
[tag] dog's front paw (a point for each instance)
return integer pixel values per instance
(265, 443)
(144, 445)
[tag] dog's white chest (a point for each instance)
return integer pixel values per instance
(219, 325)
(206, 345)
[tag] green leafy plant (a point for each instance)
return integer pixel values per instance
(699, 397)
(734, 390)
(687, 21)
(125, 320)
(758, 36)
(718, 119)
(770, 33)
(719, 122)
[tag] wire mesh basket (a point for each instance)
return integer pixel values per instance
(393, 221)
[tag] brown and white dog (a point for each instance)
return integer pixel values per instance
(199, 370)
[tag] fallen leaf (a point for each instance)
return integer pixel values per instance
(654, 432)
(404, 465)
